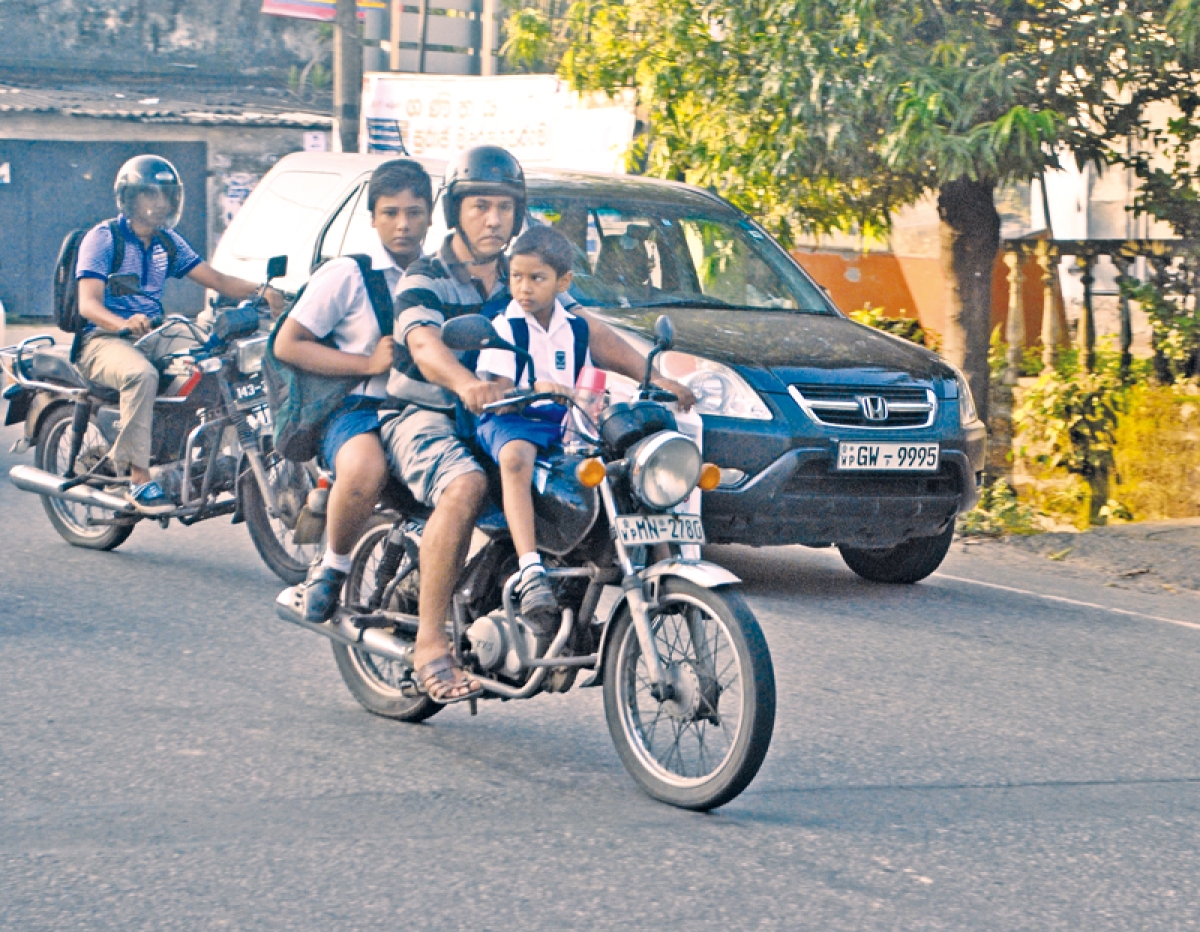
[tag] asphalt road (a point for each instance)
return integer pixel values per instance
(1010, 745)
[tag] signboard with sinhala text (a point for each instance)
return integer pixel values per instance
(324, 11)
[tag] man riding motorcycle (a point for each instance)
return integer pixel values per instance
(126, 304)
(484, 202)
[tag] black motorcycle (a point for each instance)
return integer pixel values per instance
(689, 688)
(212, 450)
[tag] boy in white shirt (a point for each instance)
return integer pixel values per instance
(539, 271)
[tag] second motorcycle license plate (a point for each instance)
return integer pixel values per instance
(636, 530)
(893, 457)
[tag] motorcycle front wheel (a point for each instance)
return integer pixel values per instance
(703, 745)
(373, 680)
(272, 536)
(70, 519)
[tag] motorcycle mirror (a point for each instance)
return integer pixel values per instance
(277, 267)
(664, 332)
(471, 332)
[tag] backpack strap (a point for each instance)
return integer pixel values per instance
(118, 247)
(377, 291)
(579, 329)
(169, 247)
(520, 332)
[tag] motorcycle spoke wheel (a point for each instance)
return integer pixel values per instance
(703, 745)
(70, 519)
(272, 535)
(373, 680)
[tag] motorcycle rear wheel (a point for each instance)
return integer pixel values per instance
(70, 518)
(373, 680)
(291, 483)
(700, 749)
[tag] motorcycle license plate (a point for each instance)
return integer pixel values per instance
(636, 530)
(891, 457)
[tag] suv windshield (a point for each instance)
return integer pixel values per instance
(649, 254)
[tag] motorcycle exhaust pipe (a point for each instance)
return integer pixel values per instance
(341, 629)
(41, 482)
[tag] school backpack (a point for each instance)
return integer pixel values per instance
(302, 402)
(66, 285)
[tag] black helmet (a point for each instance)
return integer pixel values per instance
(484, 170)
(144, 174)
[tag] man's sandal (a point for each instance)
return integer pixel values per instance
(439, 679)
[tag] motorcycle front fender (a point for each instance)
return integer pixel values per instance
(700, 572)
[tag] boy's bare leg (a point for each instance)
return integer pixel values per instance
(516, 478)
(361, 471)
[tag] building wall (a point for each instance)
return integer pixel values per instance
(238, 156)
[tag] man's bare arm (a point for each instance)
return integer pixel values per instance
(610, 351)
(441, 367)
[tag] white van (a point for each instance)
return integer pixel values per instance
(303, 209)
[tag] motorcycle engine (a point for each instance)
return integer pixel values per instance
(491, 642)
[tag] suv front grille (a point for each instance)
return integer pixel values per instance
(873, 407)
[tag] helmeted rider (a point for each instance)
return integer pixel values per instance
(484, 201)
(120, 305)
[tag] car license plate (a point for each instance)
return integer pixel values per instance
(636, 530)
(892, 457)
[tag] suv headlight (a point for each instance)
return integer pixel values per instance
(967, 413)
(718, 389)
(664, 468)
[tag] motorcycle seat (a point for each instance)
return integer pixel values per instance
(53, 364)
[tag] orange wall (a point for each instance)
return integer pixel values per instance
(907, 287)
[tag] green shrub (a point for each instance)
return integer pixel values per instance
(997, 513)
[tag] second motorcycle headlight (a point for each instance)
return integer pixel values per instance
(250, 354)
(664, 468)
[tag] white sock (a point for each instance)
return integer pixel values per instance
(530, 559)
(336, 561)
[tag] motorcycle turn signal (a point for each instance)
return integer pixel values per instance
(710, 477)
(590, 472)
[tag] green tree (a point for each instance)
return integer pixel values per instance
(824, 115)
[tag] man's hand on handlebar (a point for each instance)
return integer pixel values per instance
(138, 325)
(684, 394)
(476, 394)
(278, 303)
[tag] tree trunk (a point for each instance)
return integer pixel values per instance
(970, 239)
(347, 73)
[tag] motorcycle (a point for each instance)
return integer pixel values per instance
(687, 678)
(212, 448)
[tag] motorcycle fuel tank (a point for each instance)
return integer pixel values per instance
(564, 510)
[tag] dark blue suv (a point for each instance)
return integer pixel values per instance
(826, 431)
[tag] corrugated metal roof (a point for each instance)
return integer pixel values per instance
(193, 106)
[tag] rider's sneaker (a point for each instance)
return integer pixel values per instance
(538, 606)
(149, 499)
(320, 594)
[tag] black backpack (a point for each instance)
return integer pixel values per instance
(66, 285)
(302, 402)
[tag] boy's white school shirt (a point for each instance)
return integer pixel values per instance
(552, 348)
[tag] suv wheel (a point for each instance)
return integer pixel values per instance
(906, 563)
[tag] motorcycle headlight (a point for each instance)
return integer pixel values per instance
(250, 354)
(718, 389)
(664, 468)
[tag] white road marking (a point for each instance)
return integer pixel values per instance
(1064, 599)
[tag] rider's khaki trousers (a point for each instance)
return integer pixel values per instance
(116, 363)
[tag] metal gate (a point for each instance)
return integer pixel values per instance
(48, 189)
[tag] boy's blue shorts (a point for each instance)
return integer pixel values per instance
(495, 430)
(358, 414)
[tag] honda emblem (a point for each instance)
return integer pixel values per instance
(874, 407)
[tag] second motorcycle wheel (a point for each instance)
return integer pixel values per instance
(700, 746)
(373, 680)
(272, 536)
